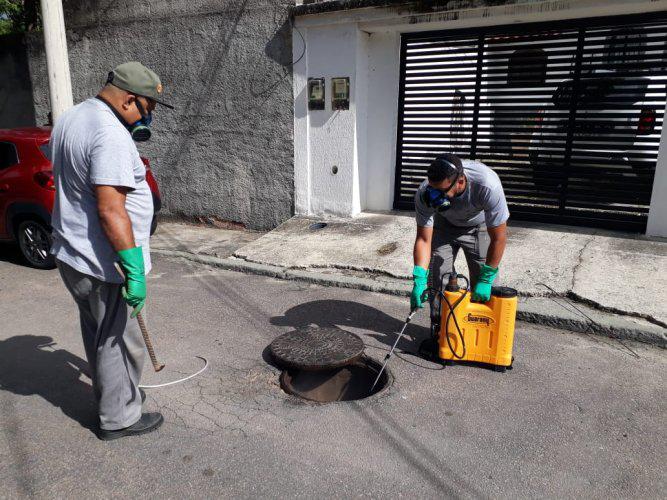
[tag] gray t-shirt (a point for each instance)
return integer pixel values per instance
(483, 201)
(89, 147)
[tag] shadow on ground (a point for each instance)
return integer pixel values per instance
(32, 366)
(11, 253)
(343, 313)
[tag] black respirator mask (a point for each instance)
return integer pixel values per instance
(437, 199)
(140, 130)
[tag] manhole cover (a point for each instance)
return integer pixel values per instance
(313, 348)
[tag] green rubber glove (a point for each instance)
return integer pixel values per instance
(420, 277)
(134, 291)
(482, 291)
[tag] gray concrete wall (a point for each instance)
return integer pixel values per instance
(227, 150)
(16, 108)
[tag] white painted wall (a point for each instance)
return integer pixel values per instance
(362, 125)
(327, 138)
(302, 179)
(364, 44)
(361, 142)
(383, 74)
(657, 216)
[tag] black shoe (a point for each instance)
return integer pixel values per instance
(147, 423)
(143, 395)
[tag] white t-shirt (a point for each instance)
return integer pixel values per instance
(483, 201)
(89, 147)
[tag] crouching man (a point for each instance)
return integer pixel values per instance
(461, 205)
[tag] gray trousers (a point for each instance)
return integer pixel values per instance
(447, 240)
(114, 347)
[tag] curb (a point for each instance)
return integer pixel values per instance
(569, 315)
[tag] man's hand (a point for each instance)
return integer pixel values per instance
(482, 290)
(134, 291)
(422, 256)
(420, 277)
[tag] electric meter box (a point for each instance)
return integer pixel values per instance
(315, 93)
(340, 93)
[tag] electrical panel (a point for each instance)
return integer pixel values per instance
(316, 93)
(340, 93)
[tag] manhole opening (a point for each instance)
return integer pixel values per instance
(317, 225)
(346, 383)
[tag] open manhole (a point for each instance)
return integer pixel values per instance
(345, 383)
(325, 365)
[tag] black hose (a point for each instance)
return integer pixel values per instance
(451, 314)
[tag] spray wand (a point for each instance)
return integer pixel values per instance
(388, 356)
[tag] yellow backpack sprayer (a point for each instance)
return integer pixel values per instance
(473, 331)
(469, 331)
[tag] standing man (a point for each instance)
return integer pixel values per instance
(461, 204)
(102, 215)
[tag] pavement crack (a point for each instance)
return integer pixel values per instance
(229, 398)
(318, 267)
(580, 261)
(399, 288)
(573, 296)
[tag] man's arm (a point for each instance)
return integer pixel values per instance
(422, 250)
(114, 219)
(498, 236)
(117, 226)
(422, 257)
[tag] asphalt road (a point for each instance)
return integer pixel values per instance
(579, 416)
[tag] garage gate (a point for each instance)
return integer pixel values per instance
(568, 114)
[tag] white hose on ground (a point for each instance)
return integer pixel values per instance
(156, 386)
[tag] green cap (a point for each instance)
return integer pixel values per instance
(136, 78)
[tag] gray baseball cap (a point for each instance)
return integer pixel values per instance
(136, 78)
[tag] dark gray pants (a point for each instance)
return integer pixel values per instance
(114, 347)
(445, 246)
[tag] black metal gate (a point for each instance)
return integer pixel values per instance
(568, 114)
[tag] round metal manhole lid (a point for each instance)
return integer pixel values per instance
(314, 348)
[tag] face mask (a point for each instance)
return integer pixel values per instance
(140, 130)
(436, 199)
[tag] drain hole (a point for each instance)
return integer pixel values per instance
(317, 225)
(346, 383)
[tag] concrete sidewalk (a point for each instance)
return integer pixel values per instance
(580, 279)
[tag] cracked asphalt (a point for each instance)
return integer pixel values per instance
(578, 416)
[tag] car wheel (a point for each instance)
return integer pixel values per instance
(35, 243)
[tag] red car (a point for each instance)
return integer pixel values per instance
(27, 193)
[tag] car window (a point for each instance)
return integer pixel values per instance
(8, 155)
(46, 150)
(597, 91)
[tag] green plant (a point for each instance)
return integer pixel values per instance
(19, 16)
